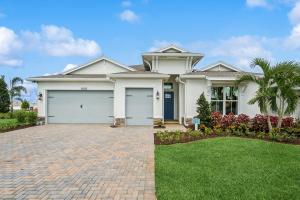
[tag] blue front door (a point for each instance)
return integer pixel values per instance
(169, 105)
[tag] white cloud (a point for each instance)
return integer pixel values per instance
(158, 44)
(129, 16)
(10, 45)
(294, 14)
(69, 66)
(126, 3)
(293, 40)
(242, 49)
(59, 41)
(257, 3)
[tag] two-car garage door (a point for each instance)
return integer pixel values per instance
(80, 106)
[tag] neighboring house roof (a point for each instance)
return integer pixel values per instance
(140, 67)
(98, 60)
(221, 64)
(70, 77)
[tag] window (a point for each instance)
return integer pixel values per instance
(168, 86)
(224, 100)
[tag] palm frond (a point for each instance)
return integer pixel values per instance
(16, 81)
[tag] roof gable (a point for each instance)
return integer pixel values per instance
(221, 67)
(101, 65)
(171, 49)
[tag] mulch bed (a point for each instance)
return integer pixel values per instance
(186, 138)
(17, 128)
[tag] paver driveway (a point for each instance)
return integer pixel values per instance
(77, 162)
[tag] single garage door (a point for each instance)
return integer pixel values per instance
(139, 106)
(80, 106)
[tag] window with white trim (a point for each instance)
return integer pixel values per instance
(224, 99)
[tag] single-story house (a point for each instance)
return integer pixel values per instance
(164, 87)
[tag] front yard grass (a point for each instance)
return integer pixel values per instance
(227, 168)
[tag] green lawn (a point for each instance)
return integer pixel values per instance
(227, 168)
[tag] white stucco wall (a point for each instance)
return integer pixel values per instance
(246, 92)
(174, 66)
(101, 67)
(119, 95)
(44, 86)
(194, 88)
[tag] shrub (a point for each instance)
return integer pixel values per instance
(207, 131)
(259, 123)
(203, 110)
(25, 105)
(31, 118)
(4, 96)
(216, 118)
(194, 133)
(242, 119)
(5, 115)
(6, 124)
(260, 134)
(288, 122)
(20, 115)
(228, 120)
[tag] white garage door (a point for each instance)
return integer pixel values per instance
(80, 106)
(139, 106)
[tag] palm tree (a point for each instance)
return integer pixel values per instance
(286, 79)
(264, 93)
(15, 90)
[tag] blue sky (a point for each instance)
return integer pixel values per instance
(43, 37)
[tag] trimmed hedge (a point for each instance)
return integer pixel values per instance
(6, 124)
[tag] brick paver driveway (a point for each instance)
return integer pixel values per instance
(77, 162)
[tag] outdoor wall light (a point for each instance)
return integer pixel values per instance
(40, 96)
(157, 95)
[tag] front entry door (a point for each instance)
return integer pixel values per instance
(169, 105)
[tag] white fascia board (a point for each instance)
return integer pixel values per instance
(174, 54)
(192, 76)
(67, 79)
(221, 78)
(138, 76)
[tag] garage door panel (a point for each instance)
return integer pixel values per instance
(80, 106)
(139, 106)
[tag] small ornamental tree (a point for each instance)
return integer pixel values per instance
(203, 110)
(4, 96)
(25, 105)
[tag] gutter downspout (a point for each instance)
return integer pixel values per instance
(114, 82)
(184, 117)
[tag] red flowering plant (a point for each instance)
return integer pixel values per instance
(242, 119)
(288, 122)
(259, 123)
(216, 118)
(228, 120)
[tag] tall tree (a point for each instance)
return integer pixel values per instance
(203, 110)
(286, 79)
(264, 93)
(15, 90)
(4, 96)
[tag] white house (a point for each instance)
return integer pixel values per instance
(165, 87)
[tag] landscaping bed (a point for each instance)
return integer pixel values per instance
(238, 126)
(18, 120)
(227, 168)
(178, 136)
